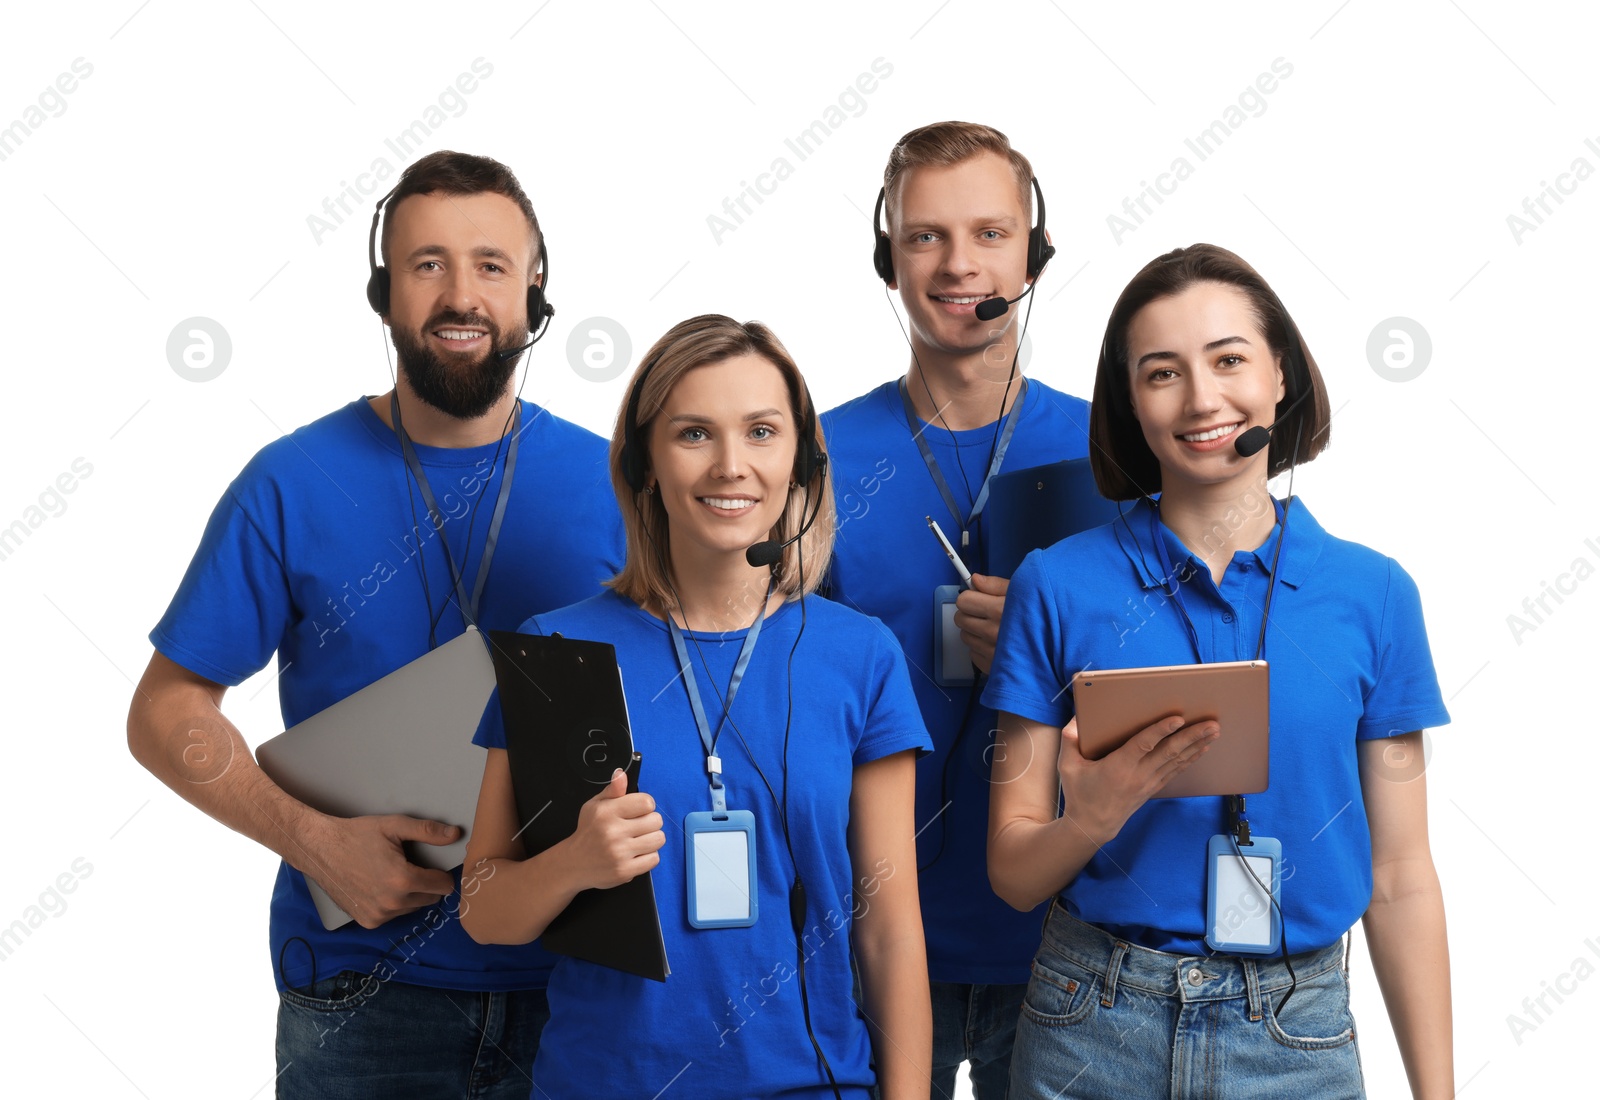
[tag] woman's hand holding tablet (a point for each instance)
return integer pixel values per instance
(1101, 795)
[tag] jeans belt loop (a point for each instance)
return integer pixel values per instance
(1252, 985)
(1113, 968)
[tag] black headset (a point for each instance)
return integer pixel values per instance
(539, 310)
(1039, 248)
(809, 460)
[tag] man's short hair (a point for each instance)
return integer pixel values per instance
(941, 144)
(452, 173)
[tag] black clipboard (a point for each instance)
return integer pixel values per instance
(567, 731)
(1038, 507)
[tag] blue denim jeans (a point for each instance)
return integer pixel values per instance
(1105, 1019)
(353, 1036)
(976, 1024)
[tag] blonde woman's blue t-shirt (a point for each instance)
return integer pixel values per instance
(727, 1022)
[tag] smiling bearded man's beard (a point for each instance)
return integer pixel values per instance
(463, 389)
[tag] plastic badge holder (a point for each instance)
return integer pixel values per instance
(1240, 918)
(952, 660)
(720, 854)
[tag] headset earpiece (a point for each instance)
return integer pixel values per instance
(809, 458)
(536, 307)
(882, 249)
(378, 281)
(378, 290)
(632, 459)
(539, 308)
(1040, 250)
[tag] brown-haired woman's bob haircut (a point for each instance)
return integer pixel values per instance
(1124, 466)
(698, 342)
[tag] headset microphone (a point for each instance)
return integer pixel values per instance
(770, 551)
(765, 553)
(1251, 442)
(549, 312)
(990, 308)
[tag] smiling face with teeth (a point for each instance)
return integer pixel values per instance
(960, 235)
(722, 452)
(1201, 372)
(459, 269)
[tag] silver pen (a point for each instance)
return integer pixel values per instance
(950, 552)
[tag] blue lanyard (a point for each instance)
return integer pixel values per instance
(719, 801)
(469, 608)
(1004, 441)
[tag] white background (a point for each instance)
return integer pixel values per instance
(1376, 183)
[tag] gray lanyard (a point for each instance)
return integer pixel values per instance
(995, 462)
(469, 608)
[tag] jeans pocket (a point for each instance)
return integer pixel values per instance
(1055, 998)
(1317, 1016)
(344, 992)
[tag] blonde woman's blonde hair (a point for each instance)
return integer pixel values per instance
(699, 342)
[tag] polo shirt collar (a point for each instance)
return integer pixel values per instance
(1299, 556)
(1304, 546)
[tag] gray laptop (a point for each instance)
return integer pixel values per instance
(402, 745)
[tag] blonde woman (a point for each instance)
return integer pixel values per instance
(748, 695)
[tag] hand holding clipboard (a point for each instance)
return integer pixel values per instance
(567, 733)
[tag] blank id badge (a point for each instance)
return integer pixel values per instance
(720, 853)
(1242, 917)
(952, 660)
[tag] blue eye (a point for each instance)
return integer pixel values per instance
(923, 238)
(693, 435)
(762, 431)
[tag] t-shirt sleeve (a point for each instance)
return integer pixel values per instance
(615, 538)
(233, 605)
(1405, 695)
(894, 721)
(604, 535)
(1025, 677)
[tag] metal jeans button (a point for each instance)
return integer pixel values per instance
(1195, 977)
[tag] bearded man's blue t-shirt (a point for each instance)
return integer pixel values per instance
(322, 552)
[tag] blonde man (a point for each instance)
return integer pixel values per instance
(958, 231)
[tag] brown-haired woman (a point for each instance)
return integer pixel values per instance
(1163, 970)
